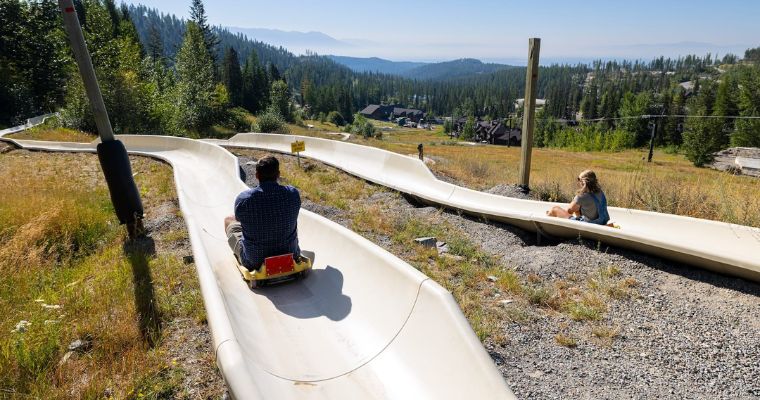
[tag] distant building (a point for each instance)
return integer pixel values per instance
(540, 103)
(688, 88)
(385, 112)
(491, 132)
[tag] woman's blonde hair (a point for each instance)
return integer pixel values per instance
(589, 183)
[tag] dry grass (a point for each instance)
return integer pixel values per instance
(54, 134)
(670, 184)
(52, 130)
(62, 246)
(565, 340)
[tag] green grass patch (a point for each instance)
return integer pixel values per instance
(70, 273)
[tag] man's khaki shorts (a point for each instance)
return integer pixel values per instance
(235, 239)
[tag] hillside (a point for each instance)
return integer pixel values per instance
(171, 30)
(465, 67)
(454, 69)
(374, 64)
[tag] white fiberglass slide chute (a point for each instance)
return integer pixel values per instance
(721, 247)
(363, 325)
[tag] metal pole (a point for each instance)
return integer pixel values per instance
(84, 62)
(112, 154)
(529, 114)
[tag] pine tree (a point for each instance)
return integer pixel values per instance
(155, 44)
(274, 73)
(210, 40)
(632, 107)
(280, 100)
(232, 77)
(747, 133)
(195, 82)
(255, 95)
(589, 103)
(468, 131)
(701, 136)
(113, 13)
(673, 125)
(46, 55)
(726, 105)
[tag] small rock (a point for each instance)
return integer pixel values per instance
(253, 163)
(21, 326)
(442, 247)
(536, 374)
(427, 241)
(492, 278)
(505, 302)
(51, 306)
(65, 358)
(80, 345)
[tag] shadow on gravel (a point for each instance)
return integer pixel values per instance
(139, 251)
(527, 238)
(687, 271)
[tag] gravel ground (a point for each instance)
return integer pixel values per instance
(688, 333)
(189, 342)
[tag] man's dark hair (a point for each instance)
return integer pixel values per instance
(268, 169)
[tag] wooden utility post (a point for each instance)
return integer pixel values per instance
(653, 125)
(529, 115)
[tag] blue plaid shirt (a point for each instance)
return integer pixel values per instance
(268, 214)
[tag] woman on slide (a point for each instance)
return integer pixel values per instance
(589, 204)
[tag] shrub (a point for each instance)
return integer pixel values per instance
(336, 118)
(271, 122)
(699, 139)
(590, 138)
(368, 130)
(237, 120)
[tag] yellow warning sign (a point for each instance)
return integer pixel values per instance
(297, 146)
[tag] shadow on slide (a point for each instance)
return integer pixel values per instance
(320, 294)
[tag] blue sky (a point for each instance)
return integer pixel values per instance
(498, 30)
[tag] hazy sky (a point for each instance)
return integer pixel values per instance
(498, 30)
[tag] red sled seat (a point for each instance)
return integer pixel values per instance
(279, 264)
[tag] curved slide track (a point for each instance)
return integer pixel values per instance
(718, 246)
(362, 325)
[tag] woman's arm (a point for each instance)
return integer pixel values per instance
(574, 208)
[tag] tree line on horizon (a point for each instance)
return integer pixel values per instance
(161, 74)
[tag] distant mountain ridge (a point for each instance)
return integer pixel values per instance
(420, 70)
(454, 69)
(294, 41)
(375, 64)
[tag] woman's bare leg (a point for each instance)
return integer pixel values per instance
(558, 212)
